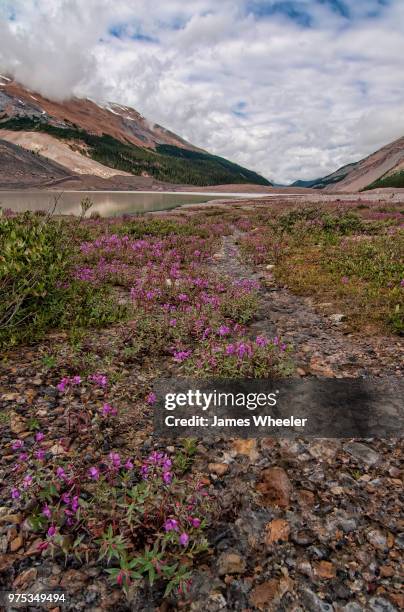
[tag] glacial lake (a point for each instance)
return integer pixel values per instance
(107, 203)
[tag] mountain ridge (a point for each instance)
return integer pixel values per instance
(382, 168)
(112, 135)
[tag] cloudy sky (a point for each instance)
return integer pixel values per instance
(290, 88)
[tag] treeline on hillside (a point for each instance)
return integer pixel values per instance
(393, 180)
(166, 163)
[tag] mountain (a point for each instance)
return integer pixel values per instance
(108, 139)
(384, 168)
(19, 167)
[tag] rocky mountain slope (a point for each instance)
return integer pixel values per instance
(78, 131)
(384, 168)
(20, 168)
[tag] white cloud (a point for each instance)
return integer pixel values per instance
(288, 101)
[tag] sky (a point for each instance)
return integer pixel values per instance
(293, 89)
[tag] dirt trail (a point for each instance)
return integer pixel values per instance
(321, 347)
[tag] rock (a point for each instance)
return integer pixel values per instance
(387, 571)
(275, 487)
(379, 604)
(303, 537)
(277, 531)
(265, 595)
(313, 603)
(17, 423)
(25, 578)
(398, 600)
(15, 519)
(218, 468)
(305, 498)
(362, 453)
(337, 318)
(57, 449)
(318, 367)
(73, 580)
(16, 543)
(377, 539)
(230, 563)
(270, 267)
(325, 570)
(246, 447)
(324, 449)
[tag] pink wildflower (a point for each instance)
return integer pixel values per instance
(94, 473)
(184, 539)
(171, 525)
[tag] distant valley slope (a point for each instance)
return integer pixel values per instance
(106, 141)
(384, 168)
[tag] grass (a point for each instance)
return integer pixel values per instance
(344, 256)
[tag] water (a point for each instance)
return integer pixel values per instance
(107, 203)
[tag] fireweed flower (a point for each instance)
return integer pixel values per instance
(261, 341)
(15, 494)
(171, 525)
(144, 471)
(402, 283)
(39, 436)
(184, 539)
(65, 498)
(40, 454)
(224, 330)
(27, 482)
(99, 379)
(181, 356)
(23, 456)
(167, 477)
(51, 531)
(75, 503)
(63, 384)
(17, 445)
(173, 322)
(115, 460)
(276, 341)
(46, 511)
(151, 398)
(195, 522)
(344, 280)
(94, 473)
(129, 465)
(230, 349)
(60, 473)
(108, 410)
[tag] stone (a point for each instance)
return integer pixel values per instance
(73, 580)
(277, 531)
(313, 602)
(17, 423)
(269, 593)
(218, 468)
(275, 487)
(16, 544)
(230, 563)
(325, 570)
(379, 604)
(15, 519)
(377, 539)
(246, 447)
(362, 453)
(337, 318)
(305, 498)
(25, 578)
(398, 600)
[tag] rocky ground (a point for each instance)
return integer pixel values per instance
(303, 525)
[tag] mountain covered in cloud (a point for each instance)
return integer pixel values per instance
(384, 168)
(108, 139)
